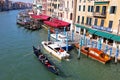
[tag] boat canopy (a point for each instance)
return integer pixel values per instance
(57, 23)
(57, 45)
(40, 17)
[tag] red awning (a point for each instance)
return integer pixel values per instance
(52, 24)
(40, 17)
(57, 23)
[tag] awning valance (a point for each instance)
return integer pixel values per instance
(91, 31)
(104, 34)
(57, 23)
(116, 38)
(81, 26)
(39, 17)
(101, 2)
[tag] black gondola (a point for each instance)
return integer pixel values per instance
(44, 60)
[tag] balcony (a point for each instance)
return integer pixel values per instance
(99, 15)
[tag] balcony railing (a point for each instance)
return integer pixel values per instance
(98, 14)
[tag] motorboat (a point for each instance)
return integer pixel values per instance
(55, 48)
(96, 54)
(60, 37)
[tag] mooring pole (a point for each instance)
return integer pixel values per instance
(64, 30)
(79, 50)
(48, 34)
(56, 34)
(117, 53)
(67, 42)
(72, 35)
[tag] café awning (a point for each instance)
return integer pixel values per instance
(56, 23)
(91, 31)
(81, 26)
(52, 24)
(104, 34)
(116, 38)
(39, 17)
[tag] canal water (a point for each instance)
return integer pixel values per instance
(17, 61)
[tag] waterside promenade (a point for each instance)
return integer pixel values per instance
(93, 43)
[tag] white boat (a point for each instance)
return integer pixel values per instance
(55, 48)
(60, 37)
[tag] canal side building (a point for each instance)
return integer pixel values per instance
(94, 18)
(99, 18)
(61, 9)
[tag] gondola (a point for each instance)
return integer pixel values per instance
(44, 60)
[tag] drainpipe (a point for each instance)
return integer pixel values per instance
(57, 9)
(74, 13)
(118, 28)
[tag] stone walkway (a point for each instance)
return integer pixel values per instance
(77, 39)
(103, 48)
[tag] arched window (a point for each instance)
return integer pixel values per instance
(60, 14)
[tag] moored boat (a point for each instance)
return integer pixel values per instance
(44, 60)
(55, 49)
(96, 54)
(61, 37)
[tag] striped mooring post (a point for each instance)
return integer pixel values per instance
(67, 42)
(64, 30)
(56, 30)
(110, 51)
(106, 48)
(48, 34)
(79, 52)
(99, 44)
(72, 35)
(116, 55)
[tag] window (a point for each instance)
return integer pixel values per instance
(90, 21)
(71, 16)
(110, 24)
(72, 3)
(78, 19)
(92, 8)
(102, 23)
(82, 20)
(96, 20)
(104, 10)
(79, 7)
(97, 8)
(84, 8)
(112, 9)
(87, 21)
(88, 8)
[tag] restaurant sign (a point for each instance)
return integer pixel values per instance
(102, 28)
